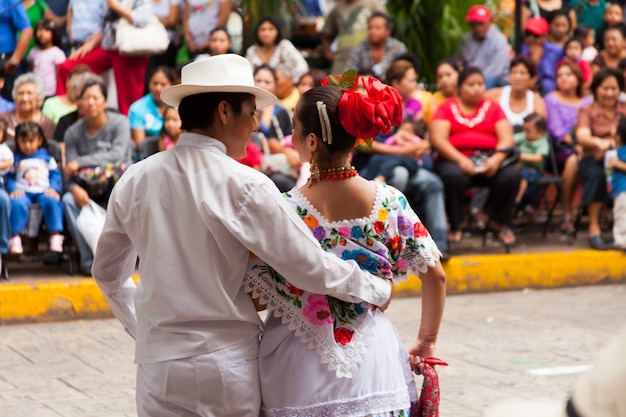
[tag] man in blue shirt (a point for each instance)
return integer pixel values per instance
(13, 19)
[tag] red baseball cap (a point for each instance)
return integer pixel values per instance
(478, 13)
(537, 25)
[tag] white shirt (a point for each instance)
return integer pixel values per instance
(193, 215)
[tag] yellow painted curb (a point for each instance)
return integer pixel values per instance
(82, 299)
(485, 273)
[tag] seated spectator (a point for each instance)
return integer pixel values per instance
(423, 96)
(345, 27)
(617, 164)
(518, 99)
(597, 123)
(559, 32)
(447, 73)
(146, 114)
(573, 50)
(614, 50)
(562, 106)
(534, 148)
(170, 133)
(311, 79)
(462, 127)
(6, 162)
(69, 119)
(28, 94)
(613, 17)
(58, 106)
(588, 36)
(376, 53)
(47, 55)
(275, 124)
(34, 178)
(272, 49)
(535, 35)
(485, 47)
(98, 138)
(220, 43)
(401, 75)
(286, 91)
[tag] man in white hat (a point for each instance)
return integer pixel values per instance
(193, 214)
(600, 392)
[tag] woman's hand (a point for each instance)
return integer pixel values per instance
(80, 196)
(51, 192)
(491, 165)
(17, 193)
(71, 168)
(467, 166)
(418, 352)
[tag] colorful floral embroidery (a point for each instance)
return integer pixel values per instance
(390, 243)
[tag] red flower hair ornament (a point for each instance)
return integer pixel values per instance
(366, 115)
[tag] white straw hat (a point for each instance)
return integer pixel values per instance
(227, 73)
(600, 392)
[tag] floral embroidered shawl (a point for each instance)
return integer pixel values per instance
(389, 243)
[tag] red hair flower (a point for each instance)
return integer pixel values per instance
(366, 115)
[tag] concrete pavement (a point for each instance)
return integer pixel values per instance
(514, 345)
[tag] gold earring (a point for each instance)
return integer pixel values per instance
(314, 171)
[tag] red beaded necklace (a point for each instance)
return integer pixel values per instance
(332, 174)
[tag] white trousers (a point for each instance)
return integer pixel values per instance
(619, 220)
(219, 384)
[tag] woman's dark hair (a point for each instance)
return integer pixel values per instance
(169, 73)
(48, 24)
(602, 75)
(388, 21)
(537, 120)
(524, 60)
(582, 30)
(413, 59)
(618, 28)
(309, 119)
(466, 73)
(621, 130)
(274, 22)
(97, 82)
(397, 70)
(573, 39)
(454, 63)
(268, 68)
(317, 74)
(4, 126)
(221, 29)
(198, 110)
(28, 128)
(578, 73)
(167, 109)
(561, 12)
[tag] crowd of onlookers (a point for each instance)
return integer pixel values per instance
(73, 107)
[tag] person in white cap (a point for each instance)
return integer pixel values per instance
(600, 392)
(193, 215)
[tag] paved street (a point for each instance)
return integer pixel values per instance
(500, 346)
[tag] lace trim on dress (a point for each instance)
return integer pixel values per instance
(389, 402)
(343, 359)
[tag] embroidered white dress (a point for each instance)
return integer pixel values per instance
(320, 356)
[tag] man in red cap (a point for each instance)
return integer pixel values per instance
(485, 47)
(535, 34)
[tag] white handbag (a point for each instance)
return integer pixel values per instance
(151, 39)
(90, 222)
